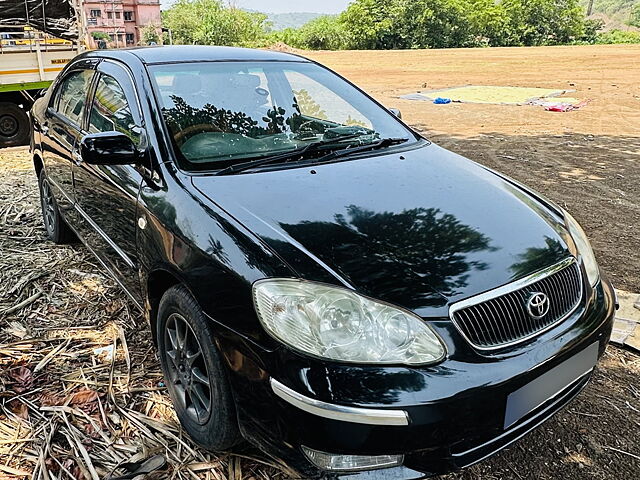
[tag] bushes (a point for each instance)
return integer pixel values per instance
(322, 33)
(619, 36)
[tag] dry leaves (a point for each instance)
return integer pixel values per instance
(21, 379)
(80, 388)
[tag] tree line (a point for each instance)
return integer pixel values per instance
(398, 24)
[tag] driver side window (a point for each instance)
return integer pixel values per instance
(110, 110)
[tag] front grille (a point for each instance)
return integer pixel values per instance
(501, 317)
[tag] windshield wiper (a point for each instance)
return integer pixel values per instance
(296, 152)
(299, 152)
(239, 167)
(385, 142)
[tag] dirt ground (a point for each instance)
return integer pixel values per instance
(69, 408)
(586, 160)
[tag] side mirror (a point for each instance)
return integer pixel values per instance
(108, 148)
(396, 112)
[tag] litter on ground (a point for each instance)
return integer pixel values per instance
(560, 104)
(496, 95)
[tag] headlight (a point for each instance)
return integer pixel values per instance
(338, 324)
(584, 248)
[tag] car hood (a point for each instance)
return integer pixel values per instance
(420, 229)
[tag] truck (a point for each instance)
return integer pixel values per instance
(37, 39)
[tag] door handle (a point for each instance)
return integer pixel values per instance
(45, 129)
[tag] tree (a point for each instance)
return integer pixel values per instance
(149, 34)
(437, 24)
(634, 17)
(323, 33)
(371, 24)
(489, 23)
(544, 22)
(209, 22)
(100, 36)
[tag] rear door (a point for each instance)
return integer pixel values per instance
(107, 195)
(61, 131)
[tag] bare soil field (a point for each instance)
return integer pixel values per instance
(586, 160)
(80, 387)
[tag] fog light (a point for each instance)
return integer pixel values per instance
(351, 463)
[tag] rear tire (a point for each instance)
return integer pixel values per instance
(14, 125)
(194, 372)
(57, 229)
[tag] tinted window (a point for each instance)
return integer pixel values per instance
(71, 96)
(110, 111)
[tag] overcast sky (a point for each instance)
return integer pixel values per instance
(284, 6)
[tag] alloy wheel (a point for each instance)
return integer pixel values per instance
(187, 369)
(48, 207)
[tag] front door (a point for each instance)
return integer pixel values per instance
(107, 195)
(60, 134)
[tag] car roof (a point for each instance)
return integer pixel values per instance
(195, 53)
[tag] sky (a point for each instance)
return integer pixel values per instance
(285, 6)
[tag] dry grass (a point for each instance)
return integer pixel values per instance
(76, 399)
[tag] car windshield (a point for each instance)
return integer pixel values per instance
(222, 113)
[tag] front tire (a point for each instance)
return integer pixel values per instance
(194, 373)
(57, 229)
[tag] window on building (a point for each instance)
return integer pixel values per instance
(109, 15)
(118, 15)
(130, 38)
(128, 16)
(95, 13)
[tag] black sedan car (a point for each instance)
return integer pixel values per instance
(319, 279)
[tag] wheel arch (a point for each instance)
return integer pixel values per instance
(16, 98)
(157, 283)
(38, 164)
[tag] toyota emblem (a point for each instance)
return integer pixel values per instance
(538, 305)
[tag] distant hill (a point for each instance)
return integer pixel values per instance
(614, 12)
(280, 21)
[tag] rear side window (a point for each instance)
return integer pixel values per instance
(72, 95)
(110, 111)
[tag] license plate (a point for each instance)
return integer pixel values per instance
(550, 384)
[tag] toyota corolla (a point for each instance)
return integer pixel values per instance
(319, 279)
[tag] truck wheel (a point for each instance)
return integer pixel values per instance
(14, 125)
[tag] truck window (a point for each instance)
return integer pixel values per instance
(71, 96)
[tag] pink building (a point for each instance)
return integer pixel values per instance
(121, 20)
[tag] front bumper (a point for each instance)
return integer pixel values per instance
(441, 418)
